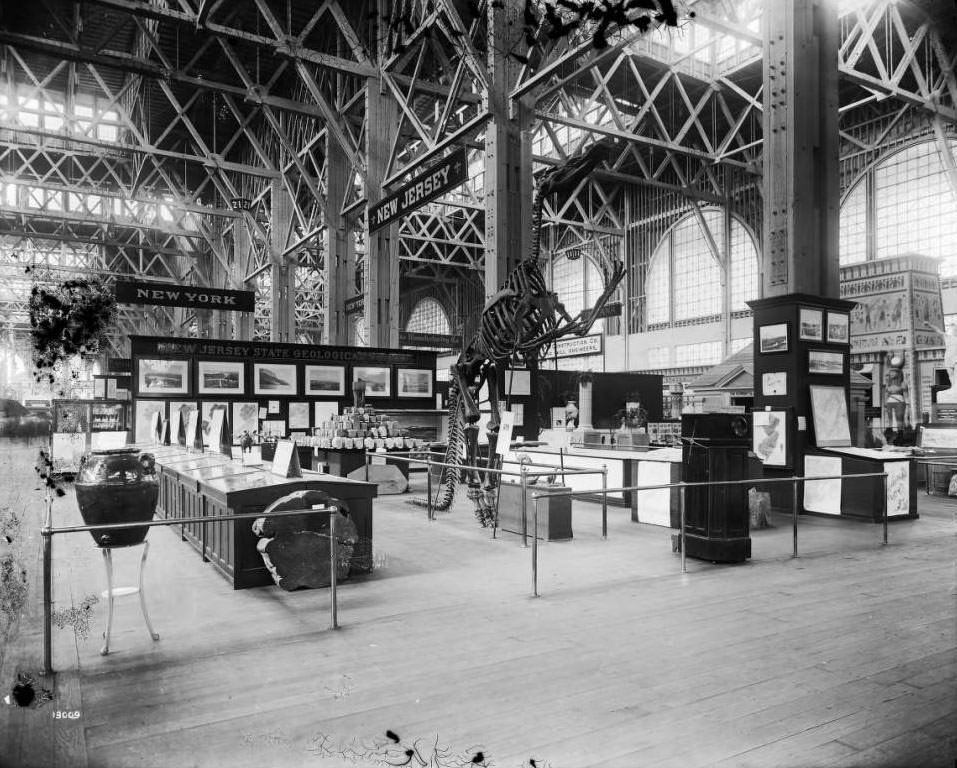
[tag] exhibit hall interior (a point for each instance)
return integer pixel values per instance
(443, 383)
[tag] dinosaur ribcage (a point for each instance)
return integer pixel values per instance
(512, 322)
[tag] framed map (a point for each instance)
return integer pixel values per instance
(829, 409)
(770, 437)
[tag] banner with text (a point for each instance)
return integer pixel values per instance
(167, 295)
(428, 185)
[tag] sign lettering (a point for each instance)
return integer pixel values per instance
(139, 292)
(578, 346)
(428, 185)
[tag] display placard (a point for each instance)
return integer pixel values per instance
(285, 462)
(506, 425)
(194, 437)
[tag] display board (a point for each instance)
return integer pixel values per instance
(265, 384)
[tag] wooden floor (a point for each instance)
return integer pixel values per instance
(845, 656)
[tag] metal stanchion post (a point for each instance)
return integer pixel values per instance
(428, 475)
(47, 599)
(794, 514)
(682, 530)
(368, 461)
(885, 507)
(604, 501)
(524, 510)
(333, 556)
(535, 548)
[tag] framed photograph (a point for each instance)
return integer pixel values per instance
(71, 417)
(829, 411)
(245, 419)
(162, 377)
(811, 324)
(819, 361)
(838, 330)
(774, 338)
(377, 380)
(216, 378)
(328, 380)
(413, 382)
(774, 383)
(274, 379)
(298, 415)
(770, 437)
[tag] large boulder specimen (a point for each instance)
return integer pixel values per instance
(295, 548)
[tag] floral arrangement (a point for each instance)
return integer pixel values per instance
(67, 319)
(632, 416)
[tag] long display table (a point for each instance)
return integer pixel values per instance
(208, 484)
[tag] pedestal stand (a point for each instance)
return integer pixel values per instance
(112, 593)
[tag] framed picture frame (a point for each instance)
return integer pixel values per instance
(143, 411)
(820, 361)
(325, 380)
(811, 324)
(769, 437)
(838, 328)
(206, 410)
(299, 415)
(774, 383)
(220, 378)
(162, 376)
(274, 379)
(829, 412)
(773, 338)
(413, 382)
(378, 379)
(245, 419)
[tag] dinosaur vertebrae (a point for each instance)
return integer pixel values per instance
(453, 453)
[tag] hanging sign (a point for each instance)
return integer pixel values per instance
(578, 345)
(443, 340)
(611, 309)
(164, 294)
(355, 305)
(428, 185)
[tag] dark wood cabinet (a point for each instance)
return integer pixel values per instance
(716, 517)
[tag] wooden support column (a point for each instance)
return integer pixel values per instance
(380, 283)
(801, 182)
(508, 157)
(283, 269)
(339, 246)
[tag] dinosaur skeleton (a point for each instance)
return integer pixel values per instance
(518, 322)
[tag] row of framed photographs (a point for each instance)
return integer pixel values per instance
(166, 376)
(811, 327)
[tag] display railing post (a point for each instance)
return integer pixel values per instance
(524, 506)
(535, 547)
(794, 515)
(604, 501)
(681, 535)
(885, 506)
(368, 462)
(47, 535)
(333, 558)
(428, 475)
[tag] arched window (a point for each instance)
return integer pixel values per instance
(578, 283)
(684, 278)
(428, 316)
(913, 208)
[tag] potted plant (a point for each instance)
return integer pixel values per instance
(634, 421)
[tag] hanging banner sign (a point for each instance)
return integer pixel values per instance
(443, 340)
(611, 309)
(578, 345)
(164, 294)
(355, 305)
(428, 185)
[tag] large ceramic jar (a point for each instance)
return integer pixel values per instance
(117, 486)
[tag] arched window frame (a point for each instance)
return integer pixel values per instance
(726, 290)
(443, 327)
(866, 184)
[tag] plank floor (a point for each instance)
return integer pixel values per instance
(845, 656)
